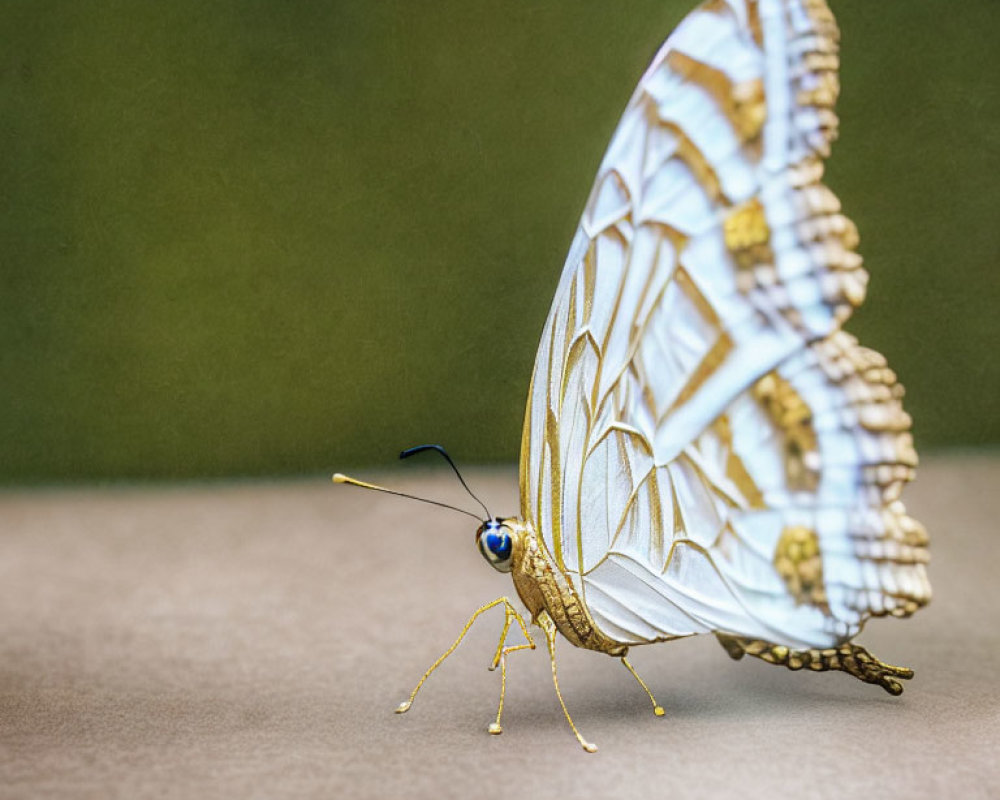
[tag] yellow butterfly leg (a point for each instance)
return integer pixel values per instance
(545, 622)
(501, 658)
(405, 706)
(657, 708)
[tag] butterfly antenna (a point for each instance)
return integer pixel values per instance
(420, 448)
(339, 478)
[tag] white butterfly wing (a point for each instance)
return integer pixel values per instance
(703, 448)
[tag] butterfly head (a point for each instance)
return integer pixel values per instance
(496, 542)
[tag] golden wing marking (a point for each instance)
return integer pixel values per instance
(793, 418)
(699, 165)
(716, 354)
(743, 103)
(713, 481)
(800, 563)
(577, 351)
(748, 238)
(589, 282)
(736, 470)
(556, 480)
(753, 21)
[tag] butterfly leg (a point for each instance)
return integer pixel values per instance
(510, 614)
(657, 708)
(849, 657)
(547, 625)
(405, 706)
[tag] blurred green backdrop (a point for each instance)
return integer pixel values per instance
(278, 237)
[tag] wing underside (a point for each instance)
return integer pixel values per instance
(704, 448)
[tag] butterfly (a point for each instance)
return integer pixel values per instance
(705, 450)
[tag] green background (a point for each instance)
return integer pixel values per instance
(280, 237)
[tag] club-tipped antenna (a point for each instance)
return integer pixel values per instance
(420, 448)
(339, 478)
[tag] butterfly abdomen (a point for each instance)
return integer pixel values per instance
(542, 586)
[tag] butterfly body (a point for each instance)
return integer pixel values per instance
(543, 587)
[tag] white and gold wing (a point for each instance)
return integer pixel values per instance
(704, 449)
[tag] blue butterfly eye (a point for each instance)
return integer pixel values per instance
(496, 544)
(499, 544)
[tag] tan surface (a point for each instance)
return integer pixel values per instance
(253, 640)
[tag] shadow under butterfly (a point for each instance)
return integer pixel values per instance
(704, 449)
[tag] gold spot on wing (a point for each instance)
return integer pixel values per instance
(798, 560)
(793, 419)
(748, 238)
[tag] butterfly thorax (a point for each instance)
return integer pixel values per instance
(542, 586)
